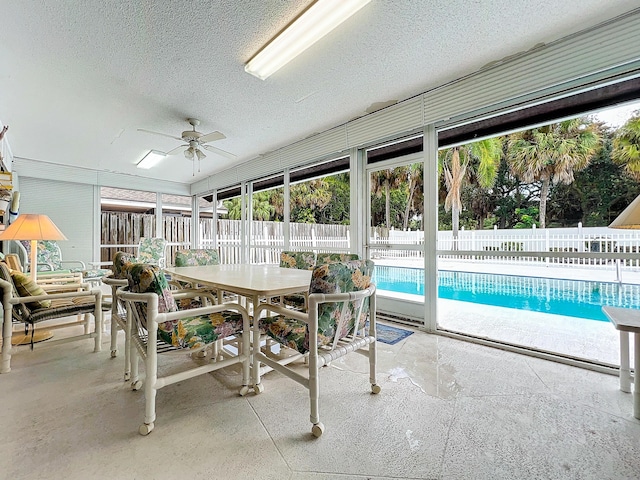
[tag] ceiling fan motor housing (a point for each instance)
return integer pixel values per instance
(190, 135)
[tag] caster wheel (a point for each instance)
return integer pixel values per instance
(127, 377)
(145, 429)
(137, 385)
(244, 390)
(317, 429)
(258, 389)
(114, 353)
(375, 388)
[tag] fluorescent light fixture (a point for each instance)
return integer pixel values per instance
(151, 159)
(313, 24)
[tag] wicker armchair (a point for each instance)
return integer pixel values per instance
(341, 299)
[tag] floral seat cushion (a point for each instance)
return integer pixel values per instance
(191, 332)
(336, 319)
(199, 331)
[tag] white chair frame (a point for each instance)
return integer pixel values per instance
(147, 348)
(317, 358)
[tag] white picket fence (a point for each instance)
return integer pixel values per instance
(267, 241)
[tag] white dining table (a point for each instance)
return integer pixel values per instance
(254, 282)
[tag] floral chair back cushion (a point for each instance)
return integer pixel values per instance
(336, 257)
(151, 250)
(337, 320)
(48, 252)
(193, 332)
(145, 278)
(197, 256)
(300, 260)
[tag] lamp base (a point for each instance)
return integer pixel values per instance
(38, 336)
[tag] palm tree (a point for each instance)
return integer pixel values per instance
(382, 182)
(261, 205)
(415, 174)
(307, 199)
(482, 158)
(552, 153)
(626, 146)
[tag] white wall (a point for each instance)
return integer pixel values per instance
(71, 206)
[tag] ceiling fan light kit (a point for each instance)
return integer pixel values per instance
(309, 27)
(151, 159)
(194, 142)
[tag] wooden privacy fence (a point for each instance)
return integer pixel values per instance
(121, 231)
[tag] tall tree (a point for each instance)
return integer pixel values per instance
(626, 146)
(552, 154)
(415, 175)
(382, 183)
(481, 158)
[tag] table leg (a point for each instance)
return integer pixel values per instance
(636, 376)
(625, 373)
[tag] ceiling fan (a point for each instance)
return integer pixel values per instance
(195, 142)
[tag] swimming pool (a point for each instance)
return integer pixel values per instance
(573, 298)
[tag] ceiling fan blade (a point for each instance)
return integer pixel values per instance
(158, 133)
(220, 152)
(210, 137)
(177, 150)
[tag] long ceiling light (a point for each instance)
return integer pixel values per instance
(151, 159)
(313, 24)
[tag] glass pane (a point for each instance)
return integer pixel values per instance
(397, 205)
(176, 223)
(267, 235)
(320, 209)
(531, 211)
(126, 216)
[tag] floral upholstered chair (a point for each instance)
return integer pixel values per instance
(50, 262)
(341, 300)
(302, 261)
(29, 303)
(156, 325)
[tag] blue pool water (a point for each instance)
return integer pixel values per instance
(573, 298)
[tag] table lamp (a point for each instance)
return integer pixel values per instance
(32, 227)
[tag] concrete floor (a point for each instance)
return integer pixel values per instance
(448, 410)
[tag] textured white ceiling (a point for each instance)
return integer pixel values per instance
(78, 78)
